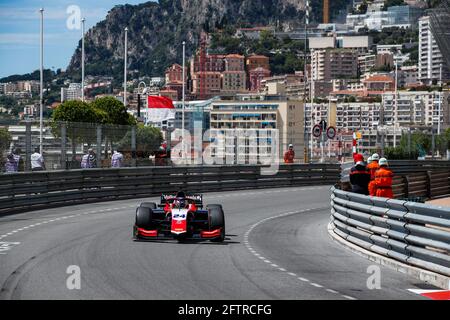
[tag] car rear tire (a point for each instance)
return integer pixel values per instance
(216, 220)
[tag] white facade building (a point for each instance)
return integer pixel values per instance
(430, 57)
(73, 92)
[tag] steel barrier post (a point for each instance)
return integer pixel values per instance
(429, 193)
(133, 146)
(63, 146)
(28, 146)
(99, 146)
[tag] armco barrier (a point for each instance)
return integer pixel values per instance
(403, 167)
(26, 191)
(426, 179)
(413, 233)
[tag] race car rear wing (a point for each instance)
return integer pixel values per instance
(195, 198)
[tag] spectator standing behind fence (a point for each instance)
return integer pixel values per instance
(360, 178)
(37, 161)
(117, 159)
(11, 165)
(14, 162)
(373, 167)
(89, 160)
(289, 156)
(383, 180)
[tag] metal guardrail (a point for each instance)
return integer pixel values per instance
(413, 179)
(403, 167)
(410, 232)
(27, 191)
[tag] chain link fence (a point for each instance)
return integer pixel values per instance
(65, 143)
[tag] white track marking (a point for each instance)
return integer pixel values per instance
(259, 256)
(58, 219)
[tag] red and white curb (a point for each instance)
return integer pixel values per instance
(281, 269)
(433, 294)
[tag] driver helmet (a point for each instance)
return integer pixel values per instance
(181, 194)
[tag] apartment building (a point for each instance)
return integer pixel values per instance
(268, 115)
(258, 61)
(337, 57)
(379, 83)
(430, 57)
(408, 76)
(234, 81)
(292, 86)
(73, 92)
(256, 77)
(328, 64)
(418, 108)
(361, 44)
(213, 74)
(174, 74)
(234, 78)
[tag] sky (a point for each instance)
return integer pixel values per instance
(20, 29)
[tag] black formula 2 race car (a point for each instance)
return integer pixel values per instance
(180, 216)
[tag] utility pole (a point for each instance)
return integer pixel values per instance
(311, 93)
(306, 133)
(183, 96)
(42, 82)
(125, 69)
(82, 58)
(440, 100)
(396, 103)
(326, 11)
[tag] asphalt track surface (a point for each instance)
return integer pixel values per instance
(277, 247)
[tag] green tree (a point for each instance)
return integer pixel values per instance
(80, 119)
(420, 146)
(5, 142)
(116, 116)
(78, 111)
(114, 110)
(390, 3)
(5, 139)
(148, 140)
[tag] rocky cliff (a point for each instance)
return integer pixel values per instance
(157, 29)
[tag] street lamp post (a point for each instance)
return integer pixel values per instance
(42, 81)
(183, 96)
(396, 102)
(440, 99)
(125, 68)
(144, 91)
(82, 58)
(311, 89)
(305, 136)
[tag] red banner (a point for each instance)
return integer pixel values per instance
(160, 109)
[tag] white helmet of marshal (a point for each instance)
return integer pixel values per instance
(383, 162)
(375, 157)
